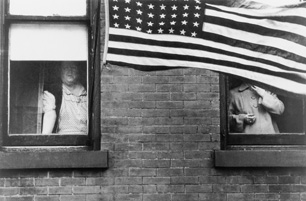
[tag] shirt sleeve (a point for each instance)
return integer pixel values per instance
(48, 102)
(272, 104)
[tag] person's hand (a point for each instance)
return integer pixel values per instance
(247, 118)
(258, 90)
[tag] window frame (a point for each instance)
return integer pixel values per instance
(239, 141)
(91, 141)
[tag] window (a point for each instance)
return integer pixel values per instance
(285, 128)
(39, 38)
(262, 149)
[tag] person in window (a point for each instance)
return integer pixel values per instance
(251, 110)
(65, 104)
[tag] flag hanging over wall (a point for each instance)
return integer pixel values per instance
(265, 45)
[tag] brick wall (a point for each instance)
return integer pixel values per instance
(160, 128)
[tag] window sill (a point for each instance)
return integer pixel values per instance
(53, 159)
(260, 158)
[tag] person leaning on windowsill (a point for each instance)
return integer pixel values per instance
(250, 110)
(65, 106)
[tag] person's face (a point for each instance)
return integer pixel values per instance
(69, 74)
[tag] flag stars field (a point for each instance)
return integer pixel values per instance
(143, 14)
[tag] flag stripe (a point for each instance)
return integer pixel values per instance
(280, 56)
(147, 63)
(283, 14)
(255, 38)
(261, 22)
(264, 31)
(186, 55)
(141, 38)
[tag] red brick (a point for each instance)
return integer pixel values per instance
(280, 188)
(267, 196)
(289, 180)
(165, 172)
(226, 188)
(156, 129)
(184, 180)
(212, 179)
(169, 88)
(289, 197)
(33, 190)
(185, 197)
(100, 181)
(128, 180)
(198, 188)
(128, 197)
(155, 79)
(183, 96)
(171, 188)
(101, 197)
(115, 189)
(60, 190)
(27, 182)
(20, 198)
(141, 87)
(266, 179)
(169, 104)
(142, 172)
(150, 188)
(72, 198)
(239, 179)
(128, 163)
(198, 154)
(156, 97)
(9, 191)
(142, 155)
(254, 188)
(197, 171)
(14, 182)
(155, 197)
(72, 181)
(135, 188)
(240, 197)
(154, 113)
(156, 180)
(86, 189)
(156, 146)
(47, 198)
(156, 163)
(212, 197)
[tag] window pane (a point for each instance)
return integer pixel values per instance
(255, 110)
(48, 7)
(47, 42)
(40, 88)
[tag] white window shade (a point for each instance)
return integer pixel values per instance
(48, 42)
(48, 7)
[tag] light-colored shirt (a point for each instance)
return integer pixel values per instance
(243, 100)
(72, 117)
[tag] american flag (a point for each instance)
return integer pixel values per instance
(263, 45)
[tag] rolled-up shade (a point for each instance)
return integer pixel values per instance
(48, 7)
(52, 42)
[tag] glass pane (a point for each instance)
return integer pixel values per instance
(47, 42)
(255, 110)
(48, 97)
(48, 7)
